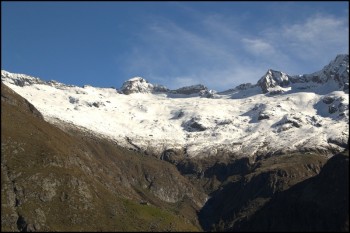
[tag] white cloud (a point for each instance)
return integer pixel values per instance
(180, 56)
(317, 29)
(317, 40)
(258, 46)
(220, 54)
(302, 47)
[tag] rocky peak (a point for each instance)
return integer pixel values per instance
(273, 78)
(244, 86)
(337, 70)
(20, 79)
(141, 85)
(189, 90)
(136, 85)
(26, 80)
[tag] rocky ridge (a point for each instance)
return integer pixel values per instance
(77, 178)
(312, 111)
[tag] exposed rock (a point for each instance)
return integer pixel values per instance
(316, 121)
(332, 109)
(178, 114)
(273, 78)
(223, 122)
(276, 92)
(342, 107)
(320, 203)
(328, 99)
(194, 125)
(136, 85)
(159, 88)
(21, 224)
(337, 70)
(141, 85)
(207, 93)
(244, 194)
(289, 121)
(244, 86)
(263, 116)
(73, 100)
(96, 104)
(172, 155)
(188, 90)
(10, 97)
(69, 177)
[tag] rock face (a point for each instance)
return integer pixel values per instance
(320, 203)
(273, 78)
(70, 179)
(243, 195)
(189, 90)
(55, 180)
(337, 71)
(189, 117)
(140, 85)
(10, 97)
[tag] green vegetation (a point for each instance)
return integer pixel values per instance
(53, 180)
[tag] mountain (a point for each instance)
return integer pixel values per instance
(146, 158)
(336, 74)
(140, 85)
(299, 192)
(281, 113)
(319, 203)
(54, 180)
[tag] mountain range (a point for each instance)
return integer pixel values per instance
(89, 158)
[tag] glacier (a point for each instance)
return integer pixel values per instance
(279, 114)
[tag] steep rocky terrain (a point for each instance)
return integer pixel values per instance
(279, 114)
(320, 203)
(242, 194)
(59, 181)
(146, 158)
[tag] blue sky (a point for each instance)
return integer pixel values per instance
(218, 44)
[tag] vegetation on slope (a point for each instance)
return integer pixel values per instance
(55, 181)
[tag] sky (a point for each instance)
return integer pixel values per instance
(176, 44)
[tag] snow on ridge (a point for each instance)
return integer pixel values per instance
(141, 85)
(136, 85)
(244, 122)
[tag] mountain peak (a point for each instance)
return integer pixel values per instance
(273, 78)
(141, 85)
(304, 112)
(337, 72)
(136, 85)
(137, 79)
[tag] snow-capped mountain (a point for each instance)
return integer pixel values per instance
(279, 113)
(141, 85)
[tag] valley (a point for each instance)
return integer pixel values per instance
(146, 158)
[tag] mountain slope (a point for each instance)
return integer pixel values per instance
(71, 181)
(78, 158)
(320, 203)
(242, 194)
(297, 113)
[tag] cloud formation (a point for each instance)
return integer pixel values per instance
(218, 52)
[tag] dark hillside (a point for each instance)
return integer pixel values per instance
(57, 181)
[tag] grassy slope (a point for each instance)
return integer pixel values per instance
(52, 180)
